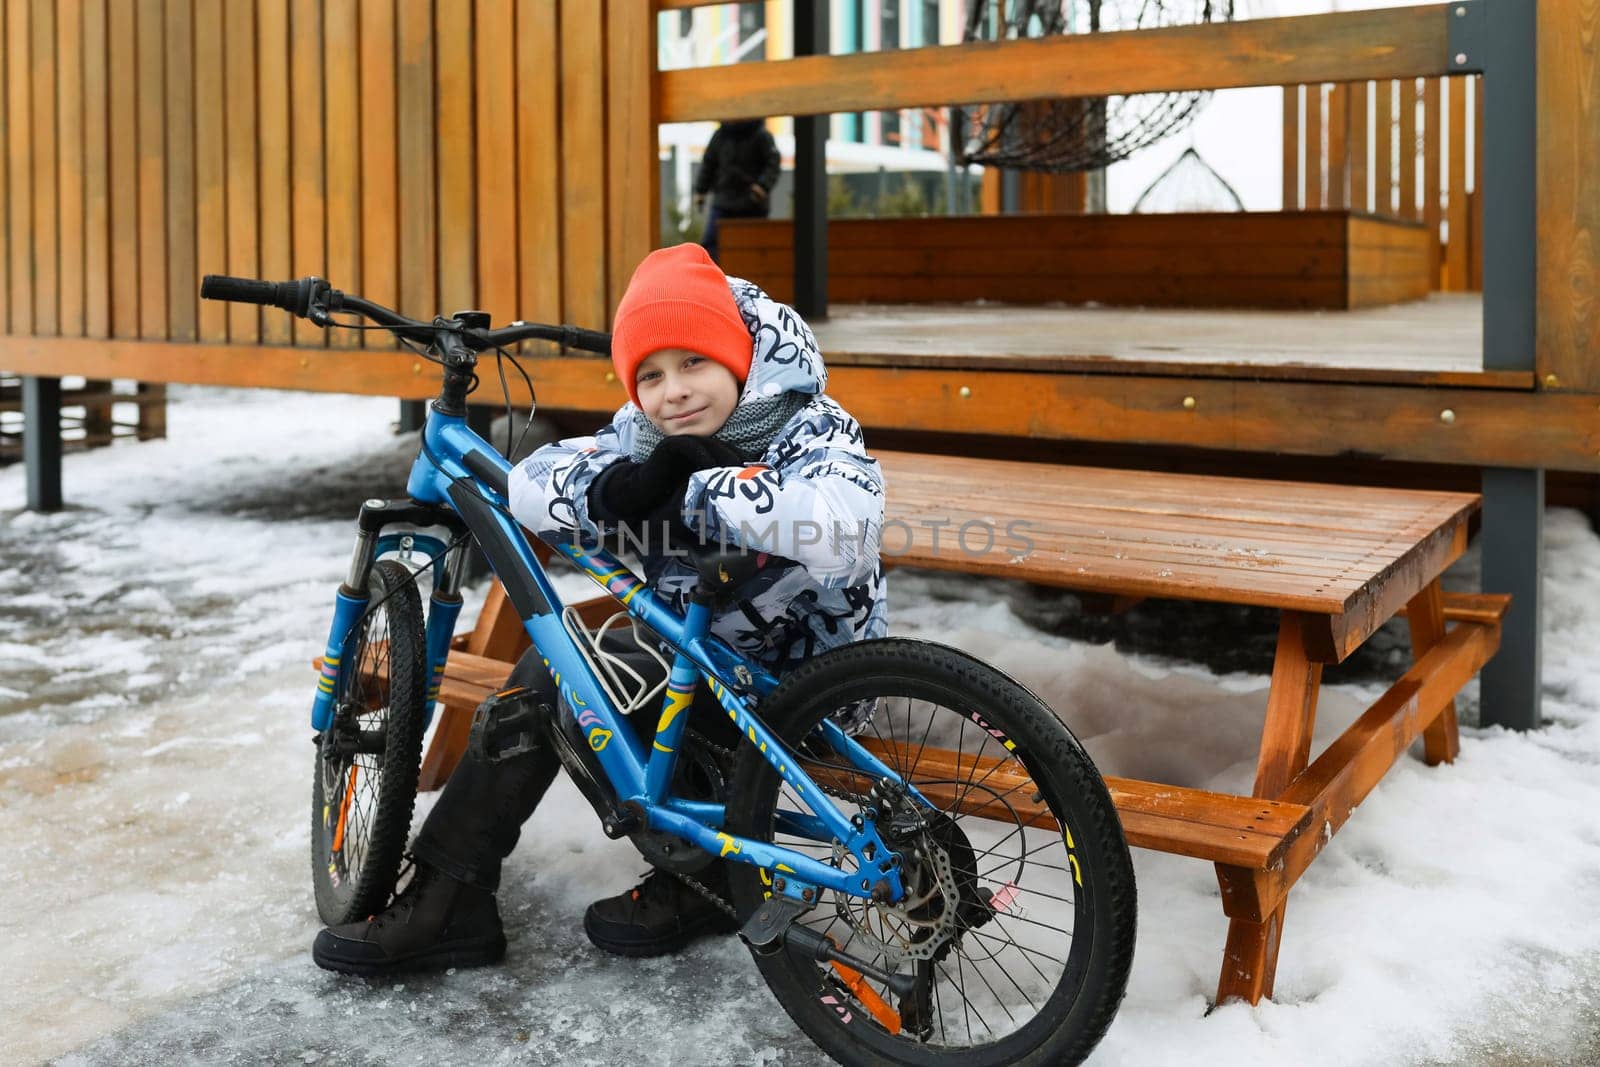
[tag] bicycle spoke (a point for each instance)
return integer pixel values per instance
(1008, 943)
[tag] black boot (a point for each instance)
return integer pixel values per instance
(659, 915)
(436, 922)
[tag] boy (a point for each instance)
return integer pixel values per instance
(727, 438)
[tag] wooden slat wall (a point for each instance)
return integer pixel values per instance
(432, 155)
(1359, 163)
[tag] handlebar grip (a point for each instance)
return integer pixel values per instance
(295, 297)
(238, 290)
(587, 340)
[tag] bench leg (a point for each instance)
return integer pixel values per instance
(449, 745)
(1441, 739)
(498, 635)
(1250, 958)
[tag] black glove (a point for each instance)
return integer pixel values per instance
(628, 491)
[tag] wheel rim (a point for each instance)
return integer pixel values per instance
(353, 756)
(1021, 918)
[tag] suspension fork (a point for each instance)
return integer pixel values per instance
(351, 601)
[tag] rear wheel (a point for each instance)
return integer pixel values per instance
(365, 780)
(1018, 924)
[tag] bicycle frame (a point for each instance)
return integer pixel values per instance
(443, 476)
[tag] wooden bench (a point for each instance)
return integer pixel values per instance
(1337, 562)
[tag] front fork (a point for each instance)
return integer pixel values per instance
(350, 604)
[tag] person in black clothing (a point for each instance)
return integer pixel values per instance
(739, 169)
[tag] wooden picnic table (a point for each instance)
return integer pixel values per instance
(1336, 561)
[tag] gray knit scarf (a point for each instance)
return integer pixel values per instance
(750, 429)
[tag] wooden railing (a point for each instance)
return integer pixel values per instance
(1366, 145)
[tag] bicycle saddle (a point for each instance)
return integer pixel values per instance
(723, 568)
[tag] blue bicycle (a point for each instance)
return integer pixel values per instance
(949, 885)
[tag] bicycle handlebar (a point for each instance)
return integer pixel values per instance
(312, 298)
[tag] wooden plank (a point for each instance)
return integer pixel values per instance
(1338, 121)
(152, 222)
(1316, 150)
(1291, 146)
(309, 208)
(1348, 46)
(539, 179)
(1247, 291)
(1432, 177)
(1475, 211)
(342, 110)
(1455, 260)
(1099, 233)
(1481, 608)
(122, 41)
(210, 164)
(1359, 136)
(380, 249)
(417, 187)
(583, 162)
(69, 49)
(96, 175)
(277, 189)
(1492, 426)
(239, 61)
(46, 304)
(632, 218)
(1407, 201)
(457, 264)
(1383, 148)
(989, 192)
(1045, 260)
(19, 160)
(494, 47)
(183, 280)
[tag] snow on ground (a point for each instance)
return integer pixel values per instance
(155, 647)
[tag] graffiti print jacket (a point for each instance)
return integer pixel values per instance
(814, 499)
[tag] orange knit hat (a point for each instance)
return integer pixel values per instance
(678, 298)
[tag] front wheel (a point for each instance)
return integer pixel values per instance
(365, 781)
(1018, 921)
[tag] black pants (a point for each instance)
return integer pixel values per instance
(479, 816)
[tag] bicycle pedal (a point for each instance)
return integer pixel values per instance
(505, 725)
(765, 929)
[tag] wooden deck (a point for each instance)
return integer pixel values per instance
(1437, 341)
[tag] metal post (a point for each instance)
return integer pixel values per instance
(811, 175)
(1010, 192)
(1499, 38)
(41, 441)
(1512, 543)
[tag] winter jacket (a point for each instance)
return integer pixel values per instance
(815, 499)
(738, 154)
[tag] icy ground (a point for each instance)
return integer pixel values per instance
(155, 907)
